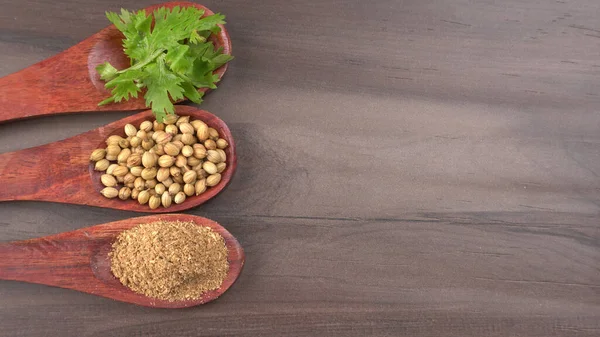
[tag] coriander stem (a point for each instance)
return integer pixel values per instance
(184, 77)
(143, 63)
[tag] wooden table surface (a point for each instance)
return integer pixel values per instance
(406, 168)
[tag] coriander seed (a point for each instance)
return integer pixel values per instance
(129, 178)
(109, 192)
(134, 160)
(124, 193)
(187, 151)
(202, 131)
(200, 187)
(146, 126)
(199, 151)
(148, 159)
(136, 171)
(160, 189)
(171, 119)
(182, 119)
(213, 156)
(179, 198)
(189, 189)
(186, 128)
(158, 126)
(165, 199)
(210, 144)
(166, 161)
(98, 154)
(190, 177)
(163, 174)
(149, 173)
(213, 133)
(174, 188)
(151, 183)
(113, 140)
(172, 129)
(154, 202)
(123, 156)
(222, 143)
(130, 130)
(135, 141)
(139, 183)
(188, 139)
(108, 180)
(111, 168)
(169, 161)
(209, 167)
(101, 165)
(168, 182)
(193, 161)
(123, 143)
(120, 171)
(113, 151)
(143, 197)
(171, 149)
(213, 179)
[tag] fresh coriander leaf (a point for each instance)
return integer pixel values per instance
(205, 34)
(119, 21)
(195, 38)
(199, 69)
(198, 50)
(190, 91)
(177, 59)
(137, 44)
(211, 22)
(143, 23)
(124, 86)
(220, 60)
(170, 57)
(208, 81)
(216, 29)
(163, 85)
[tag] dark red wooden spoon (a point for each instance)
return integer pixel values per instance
(61, 171)
(69, 82)
(79, 260)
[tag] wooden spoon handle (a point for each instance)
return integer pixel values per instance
(52, 172)
(65, 82)
(46, 261)
(36, 91)
(20, 173)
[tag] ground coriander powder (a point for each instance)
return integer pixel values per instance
(170, 260)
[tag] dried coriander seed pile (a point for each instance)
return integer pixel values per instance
(161, 163)
(170, 260)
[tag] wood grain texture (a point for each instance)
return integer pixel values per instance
(69, 82)
(405, 168)
(62, 171)
(79, 260)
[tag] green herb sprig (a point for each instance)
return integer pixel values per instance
(171, 59)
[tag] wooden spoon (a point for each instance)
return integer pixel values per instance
(62, 172)
(79, 260)
(69, 82)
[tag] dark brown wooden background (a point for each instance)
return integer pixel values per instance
(407, 168)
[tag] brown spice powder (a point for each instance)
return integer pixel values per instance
(170, 260)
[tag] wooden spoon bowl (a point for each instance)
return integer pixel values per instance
(68, 82)
(79, 260)
(62, 172)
